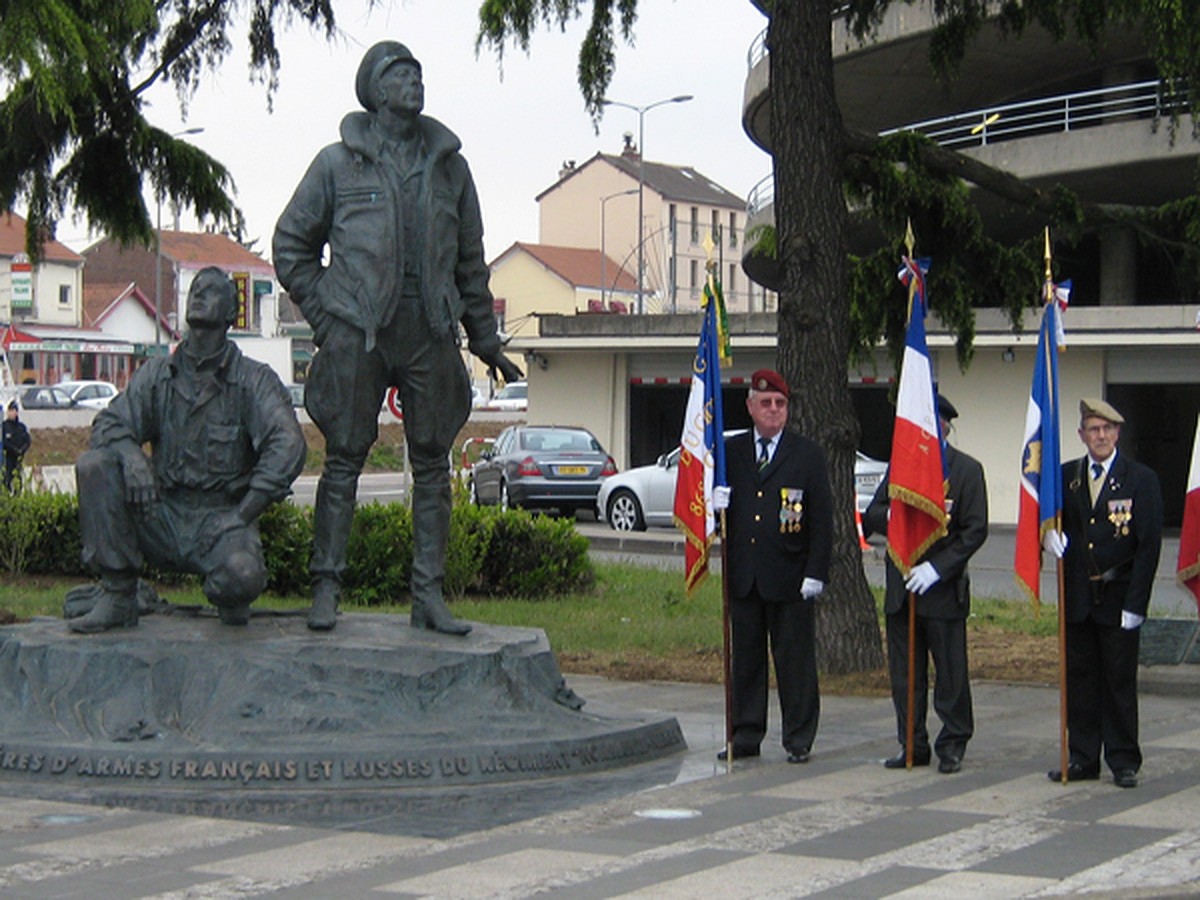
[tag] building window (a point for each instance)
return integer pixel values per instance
(731, 284)
(671, 218)
(695, 225)
(693, 270)
(733, 229)
(716, 226)
(64, 295)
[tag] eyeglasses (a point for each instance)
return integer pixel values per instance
(766, 402)
(1100, 429)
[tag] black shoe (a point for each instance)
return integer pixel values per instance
(739, 753)
(1126, 778)
(949, 765)
(900, 760)
(1076, 772)
(799, 756)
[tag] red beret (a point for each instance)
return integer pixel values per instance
(769, 380)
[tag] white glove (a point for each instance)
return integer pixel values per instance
(922, 578)
(811, 588)
(721, 496)
(1130, 621)
(1055, 543)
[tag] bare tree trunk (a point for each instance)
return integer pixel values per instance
(807, 140)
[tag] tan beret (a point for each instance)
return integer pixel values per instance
(1090, 406)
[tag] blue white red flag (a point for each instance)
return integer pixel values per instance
(1040, 504)
(702, 446)
(916, 475)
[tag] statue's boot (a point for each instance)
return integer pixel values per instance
(115, 607)
(431, 531)
(332, 519)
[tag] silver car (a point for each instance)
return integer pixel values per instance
(645, 495)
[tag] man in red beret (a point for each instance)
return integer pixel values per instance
(780, 537)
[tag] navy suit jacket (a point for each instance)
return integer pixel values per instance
(1118, 540)
(780, 519)
(950, 597)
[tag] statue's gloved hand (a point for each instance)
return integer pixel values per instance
(141, 490)
(508, 370)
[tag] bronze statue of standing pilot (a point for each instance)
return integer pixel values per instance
(394, 203)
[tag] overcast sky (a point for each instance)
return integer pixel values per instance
(517, 126)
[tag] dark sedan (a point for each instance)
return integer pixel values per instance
(44, 396)
(541, 467)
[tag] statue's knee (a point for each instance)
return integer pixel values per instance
(240, 578)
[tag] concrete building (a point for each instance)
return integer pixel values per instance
(49, 293)
(595, 205)
(1051, 113)
(114, 270)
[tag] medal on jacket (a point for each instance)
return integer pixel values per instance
(791, 510)
(1120, 513)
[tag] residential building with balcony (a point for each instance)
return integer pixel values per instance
(595, 205)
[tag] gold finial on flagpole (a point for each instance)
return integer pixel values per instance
(1049, 289)
(910, 241)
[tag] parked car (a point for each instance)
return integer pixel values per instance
(43, 396)
(541, 467)
(90, 394)
(868, 473)
(512, 397)
(645, 495)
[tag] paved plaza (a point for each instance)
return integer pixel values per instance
(841, 826)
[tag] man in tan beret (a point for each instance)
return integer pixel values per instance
(1112, 534)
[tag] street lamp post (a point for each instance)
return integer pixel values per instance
(603, 252)
(641, 112)
(158, 258)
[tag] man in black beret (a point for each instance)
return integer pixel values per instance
(394, 205)
(1112, 535)
(941, 589)
(780, 538)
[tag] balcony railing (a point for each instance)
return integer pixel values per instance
(1050, 115)
(1031, 118)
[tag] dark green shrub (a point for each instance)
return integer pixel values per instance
(470, 537)
(535, 556)
(286, 531)
(39, 533)
(379, 554)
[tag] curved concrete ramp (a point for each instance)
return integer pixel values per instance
(183, 702)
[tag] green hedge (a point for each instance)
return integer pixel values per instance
(500, 553)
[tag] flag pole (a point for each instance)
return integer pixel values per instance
(727, 648)
(1064, 753)
(911, 696)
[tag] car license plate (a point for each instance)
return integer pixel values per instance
(571, 470)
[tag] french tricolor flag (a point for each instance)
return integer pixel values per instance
(1188, 571)
(916, 474)
(1040, 505)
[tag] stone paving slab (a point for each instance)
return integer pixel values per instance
(841, 826)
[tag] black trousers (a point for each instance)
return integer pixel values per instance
(945, 640)
(1102, 705)
(788, 629)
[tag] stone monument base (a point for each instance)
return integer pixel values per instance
(183, 703)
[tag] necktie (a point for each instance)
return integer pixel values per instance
(1096, 481)
(764, 455)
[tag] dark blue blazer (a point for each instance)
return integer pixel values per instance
(1112, 547)
(780, 519)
